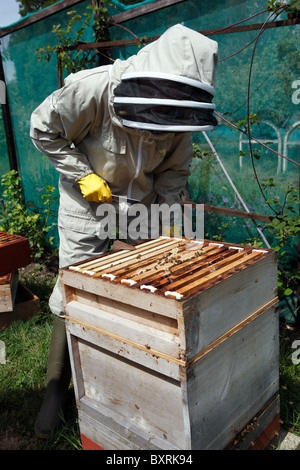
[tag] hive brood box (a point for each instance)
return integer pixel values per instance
(174, 345)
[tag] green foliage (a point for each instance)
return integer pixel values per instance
(284, 228)
(30, 6)
(15, 218)
(295, 4)
(71, 34)
(243, 123)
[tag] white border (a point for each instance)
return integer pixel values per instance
(182, 103)
(167, 128)
(170, 76)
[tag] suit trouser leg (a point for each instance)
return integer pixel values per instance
(74, 247)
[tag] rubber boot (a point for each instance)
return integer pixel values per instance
(58, 380)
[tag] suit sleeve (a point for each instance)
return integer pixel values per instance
(61, 121)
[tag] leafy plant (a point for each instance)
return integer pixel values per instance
(15, 218)
(275, 5)
(284, 227)
(71, 34)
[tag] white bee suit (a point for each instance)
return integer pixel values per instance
(83, 128)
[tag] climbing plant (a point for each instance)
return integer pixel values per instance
(94, 20)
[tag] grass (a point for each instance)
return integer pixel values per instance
(22, 377)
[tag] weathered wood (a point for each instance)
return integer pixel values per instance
(137, 353)
(125, 310)
(173, 260)
(232, 381)
(26, 306)
(145, 336)
(214, 396)
(261, 429)
(176, 373)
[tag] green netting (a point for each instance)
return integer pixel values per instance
(29, 82)
(4, 161)
(275, 72)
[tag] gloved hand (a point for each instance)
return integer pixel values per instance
(171, 231)
(94, 188)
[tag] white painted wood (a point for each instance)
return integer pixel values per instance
(78, 382)
(112, 431)
(217, 395)
(256, 426)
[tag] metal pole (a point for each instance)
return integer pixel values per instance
(234, 188)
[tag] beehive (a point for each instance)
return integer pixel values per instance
(14, 252)
(174, 345)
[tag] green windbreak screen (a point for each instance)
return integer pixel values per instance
(4, 161)
(29, 82)
(259, 78)
(273, 103)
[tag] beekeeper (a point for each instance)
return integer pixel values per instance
(121, 129)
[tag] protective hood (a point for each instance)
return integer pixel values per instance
(169, 85)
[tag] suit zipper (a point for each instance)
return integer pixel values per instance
(138, 167)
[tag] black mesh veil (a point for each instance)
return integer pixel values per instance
(153, 102)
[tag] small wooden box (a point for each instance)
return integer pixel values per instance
(8, 290)
(26, 305)
(173, 345)
(14, 252)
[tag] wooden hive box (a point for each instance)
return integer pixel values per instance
(174, 345)
(14, 252)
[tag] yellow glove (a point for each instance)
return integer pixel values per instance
(94, 188)
(171, 231)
